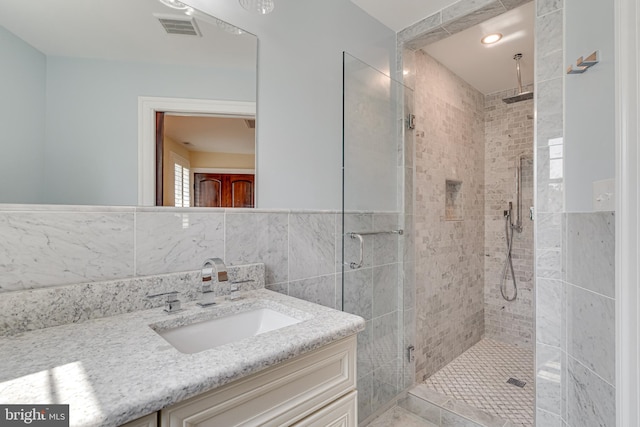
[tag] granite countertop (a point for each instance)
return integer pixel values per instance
(116, 369)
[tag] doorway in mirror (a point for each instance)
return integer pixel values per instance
(204, 160)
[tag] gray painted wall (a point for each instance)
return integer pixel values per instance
(22, 89)
(299, 134)
(589, 97)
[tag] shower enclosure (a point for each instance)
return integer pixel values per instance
(375, 281)
(424, 245)
(473, 348)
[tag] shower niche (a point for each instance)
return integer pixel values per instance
(453, 200)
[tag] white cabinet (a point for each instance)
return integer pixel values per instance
(150, 420)
(341, 413)
(310, 390)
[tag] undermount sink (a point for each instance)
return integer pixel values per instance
(207, 334)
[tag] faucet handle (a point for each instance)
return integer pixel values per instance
(233, 292)
(172, 304)
(235, 289)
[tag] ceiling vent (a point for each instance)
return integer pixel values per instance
(179, 25)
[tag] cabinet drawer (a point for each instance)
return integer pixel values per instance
(341, 413)
(277, 396)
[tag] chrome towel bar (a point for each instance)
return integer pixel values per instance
(353, 235)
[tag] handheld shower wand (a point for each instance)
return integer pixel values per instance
(509, 228)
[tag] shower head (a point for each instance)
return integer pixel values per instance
(520, 96)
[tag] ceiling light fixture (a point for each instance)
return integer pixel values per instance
(491, 38)
(260, 6)
(178, 5)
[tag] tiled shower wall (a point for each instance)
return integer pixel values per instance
(508, 135)
(449, 146)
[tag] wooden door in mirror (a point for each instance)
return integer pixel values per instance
(224, 190)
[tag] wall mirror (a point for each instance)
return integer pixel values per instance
(79, 80)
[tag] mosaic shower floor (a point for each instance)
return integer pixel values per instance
(472, 390)
(479, 376)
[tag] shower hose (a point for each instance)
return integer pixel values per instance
(508, 262)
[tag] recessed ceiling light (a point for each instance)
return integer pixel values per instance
(491, 38)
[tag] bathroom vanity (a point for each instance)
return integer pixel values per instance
(119, 370)
(314, 389)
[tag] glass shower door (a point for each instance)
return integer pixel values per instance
(372, 229)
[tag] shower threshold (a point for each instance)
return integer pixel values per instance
(442, 410)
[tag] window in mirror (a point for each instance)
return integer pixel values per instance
(181, 183)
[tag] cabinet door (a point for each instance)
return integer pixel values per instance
(276, 397)
(208, 188)
(150, 420)
(241, 191)
(341, 413)
(224, 190)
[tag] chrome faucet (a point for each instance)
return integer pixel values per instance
(208, 267)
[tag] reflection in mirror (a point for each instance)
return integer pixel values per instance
(73, 73)
(207, 161)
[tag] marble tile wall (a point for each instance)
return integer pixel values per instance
(49, 246)
(449, 145)
(52, 254)
(589, 265)
(508, 135)
(551, 373)
(58, 245)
